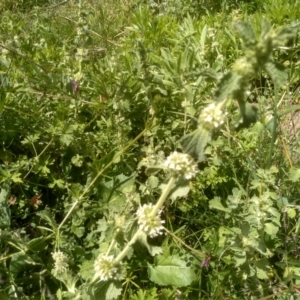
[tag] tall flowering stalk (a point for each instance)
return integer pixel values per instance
(148, 217)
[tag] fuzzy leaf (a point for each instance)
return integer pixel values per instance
(294, 175)
(271, 229)
(171, 270)
(262, 268)
(210, 74)
(277, 73)
(181, 189)
(246, 32)
(108, 290)
(216, 204)
(195, 142)
(291, 213)
(153, 250)
(229, 83)
(248, 114)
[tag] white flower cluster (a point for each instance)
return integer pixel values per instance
(212, 116)
(60, 262)
(181, 164)
(151, 225)
(106, 269)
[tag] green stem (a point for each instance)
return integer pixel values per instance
(127, 248)
(154, 211)
(110, 246)
(163, 196)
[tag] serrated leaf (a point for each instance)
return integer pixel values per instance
(248, 113)
(277, 73)
(45, 215)
(67, 138)
(107, 290)
(181, 189)
(246, 32)
(262, 268)
(153, 182)
(87, 270)
(291, 212)
(20, 262)
(294, 174)
(271, 229)
(229, 83)
(37, 244)
(195, 142)
(153, 250)
(210, 74)
(152, 170)
(216, 204)
(171, 271)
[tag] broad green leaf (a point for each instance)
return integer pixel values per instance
(171, 270)
(271, 229)
(240, 258)
(262, 268)
(294, 174)
(291, 212)
(216, 204)
(181, 189)
(277, 73)
(229, 83)
(37, 244)
(67, 138)
(46, 215)
(195, 142)
(210, 74)
(153, 250)
(107, 290)
(87, 270)
(246, 32)
(19, 263)
(248, 114)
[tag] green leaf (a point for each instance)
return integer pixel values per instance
(229, 83)
(210, 74)
(171, 270)
(277, 73)
(181, 189)
(45, 215)
(87, 270)
(262, 268)
(216, 204)
(37, 244)
(246, 32)
(239, 259)
(107, 290)
(291, 212)
(19, 263)
(294, 174)
(271, 229)
(195, 142)
(4, 208)
(248, 114)
(67, 138)
(153, 250)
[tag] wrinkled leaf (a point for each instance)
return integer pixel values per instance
(171, 271)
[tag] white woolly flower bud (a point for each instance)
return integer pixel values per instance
(181, 164)
(212, 116)
(151, 225)
(60, 262)
(106, 269)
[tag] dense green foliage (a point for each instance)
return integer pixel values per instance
(94, 95)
